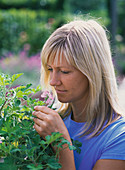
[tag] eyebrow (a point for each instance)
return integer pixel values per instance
(59, 66)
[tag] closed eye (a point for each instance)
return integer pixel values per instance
(59, 70)
(65, 72)
(50, 69)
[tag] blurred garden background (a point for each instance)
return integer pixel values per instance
(26, 24)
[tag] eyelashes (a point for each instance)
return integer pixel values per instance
(64, 72)
(50, 69)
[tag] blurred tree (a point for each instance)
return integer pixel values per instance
(55, 14)
(121, 19)
(52, 5)
(83, 6)
(112, 13)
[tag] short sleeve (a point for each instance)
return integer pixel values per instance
(114, 147)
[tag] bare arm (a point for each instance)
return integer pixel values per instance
(109, 164)
(49, 121)
(66, 158)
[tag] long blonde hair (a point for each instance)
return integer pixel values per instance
(85, 46)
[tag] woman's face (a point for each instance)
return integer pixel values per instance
(70, 84)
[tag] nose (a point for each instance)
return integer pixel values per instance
(55, 79)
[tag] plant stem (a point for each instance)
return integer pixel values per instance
(42, 152)
(2, 106)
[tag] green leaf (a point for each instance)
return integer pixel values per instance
(1, 122)
(53, 137)
(33, 167)
(43, 142)
(53, 163)
(71, 147)
(1, 101)
(5, 112)
(8, 164)
(27, 87)
(19, 94)
(77, 145)
(2, 133)
(15, 150)
(25, 97)
(15, 76)
(2, 82)
(17, 102)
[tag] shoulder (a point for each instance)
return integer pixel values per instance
(115, 130)
(117, 127)
(114, 140)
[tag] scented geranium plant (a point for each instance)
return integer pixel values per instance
(21, 147)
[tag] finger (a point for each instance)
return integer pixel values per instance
(41, 130)
(38, 121)
(39, 115)
(38, 129)
(44, 109)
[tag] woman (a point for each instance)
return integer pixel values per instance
(77, 64)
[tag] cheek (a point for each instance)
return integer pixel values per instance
(81, 84)
(67, 81)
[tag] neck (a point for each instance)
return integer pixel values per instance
(79, 112)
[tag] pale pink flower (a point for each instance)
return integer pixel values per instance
(49, 102)
(47, 97)
(45, 94)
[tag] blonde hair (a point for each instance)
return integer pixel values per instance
(85, 46)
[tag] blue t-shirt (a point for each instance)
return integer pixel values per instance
(110, 144)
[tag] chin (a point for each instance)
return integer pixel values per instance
(63, 100)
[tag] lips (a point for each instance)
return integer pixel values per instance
(60, 91)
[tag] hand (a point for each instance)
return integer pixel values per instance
(48, 121)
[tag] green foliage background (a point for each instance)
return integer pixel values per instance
(31, 22)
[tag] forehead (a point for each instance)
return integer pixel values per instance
(59, 61)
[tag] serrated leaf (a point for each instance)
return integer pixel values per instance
(54, 136)
(15, 76)
(20, 87)
(71, 147)
(77, 145)
(27, 87)
(43, 142)
(17, 102)
(53, 163)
